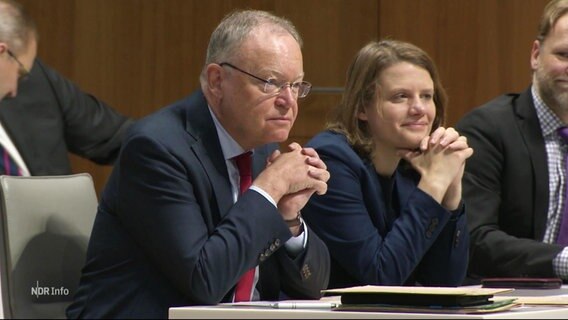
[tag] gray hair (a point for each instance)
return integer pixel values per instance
(16, 26)
(237, 26)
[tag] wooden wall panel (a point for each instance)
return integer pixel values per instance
(140, 55)
(333, 32)
(481, 47)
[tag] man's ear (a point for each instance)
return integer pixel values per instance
(214, 77)
(535, 53)
(3, 47)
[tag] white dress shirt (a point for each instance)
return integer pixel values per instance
(12, 150)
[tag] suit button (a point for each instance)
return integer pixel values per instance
(432, 227)
(277, 242)
(306, 273)
(457, 239)
(262, 257)
(273, 247)
(434, 223)
(267, 252)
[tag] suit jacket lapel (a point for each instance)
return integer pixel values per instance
(379, 219)
(406, 182)
(532, 135)
(208, 151)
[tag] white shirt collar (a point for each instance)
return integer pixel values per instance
(229, 146)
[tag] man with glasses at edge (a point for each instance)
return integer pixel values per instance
(43, 116)
(18, 49)
(176, 226)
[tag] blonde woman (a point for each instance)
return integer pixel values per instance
(392, 214)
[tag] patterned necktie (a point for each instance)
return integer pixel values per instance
(562, 238)
(8, 166)
(244, 289)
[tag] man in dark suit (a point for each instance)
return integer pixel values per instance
(515, 182)
(51, 117)
(44, 116)
(172, 228)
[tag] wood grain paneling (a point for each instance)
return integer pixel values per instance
(481, 47)
(333, 31)
(140, 55)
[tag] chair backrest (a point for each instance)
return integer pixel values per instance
(45, 225)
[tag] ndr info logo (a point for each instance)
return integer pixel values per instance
(49, 291)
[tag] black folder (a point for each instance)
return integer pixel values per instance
(522, 283)
(416, 296)
(412, 299)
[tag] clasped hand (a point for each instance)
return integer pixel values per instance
(292, 177)
(440, 160)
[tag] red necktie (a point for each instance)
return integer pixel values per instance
(244, 288)
(7, 165)
(562, 238)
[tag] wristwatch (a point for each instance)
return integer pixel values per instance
(297, 221)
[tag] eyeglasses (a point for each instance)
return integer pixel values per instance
(300, 89)
(23, 73)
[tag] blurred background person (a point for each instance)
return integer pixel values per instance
(44, 116)
(18, 46)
